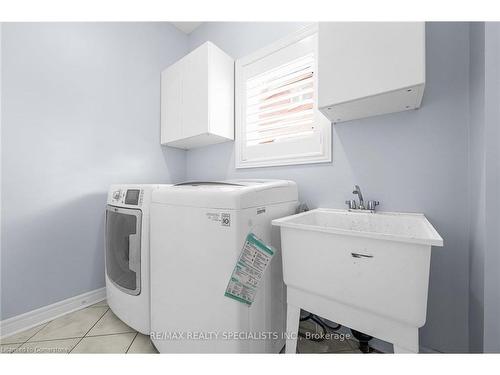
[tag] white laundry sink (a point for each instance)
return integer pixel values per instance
(367, 271)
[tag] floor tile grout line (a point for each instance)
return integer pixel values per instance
(20, 344)
(10, 352)
(59, 339)
(77, 337)
(50, 321)
(29, 338)
(136, 334)
(90, 329)
(111, 334)
(79, 341)
(45, 325)
(71, 338)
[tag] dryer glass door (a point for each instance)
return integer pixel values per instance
(123, 248)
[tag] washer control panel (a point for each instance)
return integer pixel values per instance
(130, 197)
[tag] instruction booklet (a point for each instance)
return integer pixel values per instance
(249, 270)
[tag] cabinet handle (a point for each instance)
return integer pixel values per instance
(358, 255)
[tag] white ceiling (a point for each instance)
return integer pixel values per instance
(186, 27)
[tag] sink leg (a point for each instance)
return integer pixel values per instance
(292, 328)
(400, 350)
(410, 344)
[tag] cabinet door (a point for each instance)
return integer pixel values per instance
(171, 102)
(362, 59)
(195, 93)
(221, 92)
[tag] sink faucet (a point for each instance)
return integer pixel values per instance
(353, 206)
(357, 191)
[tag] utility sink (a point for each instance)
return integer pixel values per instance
(367, 271)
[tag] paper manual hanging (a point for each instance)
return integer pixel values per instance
(254, 258)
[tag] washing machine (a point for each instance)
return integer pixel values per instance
(197, 233)
(127, 253)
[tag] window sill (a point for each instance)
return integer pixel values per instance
(283, 162)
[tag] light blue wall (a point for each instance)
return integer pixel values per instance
(484, 179)
(477, 187)
(492, 186)
(80, 111)
(413, 161)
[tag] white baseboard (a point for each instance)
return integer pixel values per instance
(44, 314)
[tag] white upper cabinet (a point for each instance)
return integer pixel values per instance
(370, 68)
(197, 99)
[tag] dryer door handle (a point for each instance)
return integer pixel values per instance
(134, 253)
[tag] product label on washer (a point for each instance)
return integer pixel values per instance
(223, 218)
(249, 270)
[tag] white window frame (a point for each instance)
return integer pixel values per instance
(324, 155)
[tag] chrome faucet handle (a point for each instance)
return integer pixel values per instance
(351, 203)
(372, 204)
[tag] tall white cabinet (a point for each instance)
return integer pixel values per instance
(370, 68)
(197, 99)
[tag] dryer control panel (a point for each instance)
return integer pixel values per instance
(129, 197)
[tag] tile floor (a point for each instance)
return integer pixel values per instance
(94, 329)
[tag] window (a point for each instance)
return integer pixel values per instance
(277, 118)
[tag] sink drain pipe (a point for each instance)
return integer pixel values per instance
(319, 321)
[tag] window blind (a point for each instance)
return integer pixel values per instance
(280, 103)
